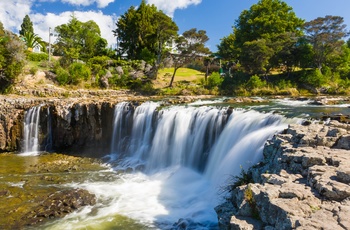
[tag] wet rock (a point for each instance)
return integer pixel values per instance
(59, 204)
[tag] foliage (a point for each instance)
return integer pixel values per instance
(142, 33)
(78, 72)
(190, 46)
(79, 40)
(266, 20)
(37, 56)
(62, 76)
(26, 26)
(255, 56)
(12, 58)
(315, 78)
(255, 82)
(325, 35)
(262, 35)
(32, 40)
(215, 80)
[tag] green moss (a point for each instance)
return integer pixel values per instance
(249, 197)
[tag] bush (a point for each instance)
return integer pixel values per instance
(78, 72)
(37, 56)
(62, 76)
(214, 80)
(314, 78)
(255, 82)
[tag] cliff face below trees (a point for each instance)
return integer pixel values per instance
(81, 124)
(302, 183)
(71, 123)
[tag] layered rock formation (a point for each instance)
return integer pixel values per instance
(302, 183)
(82, 123)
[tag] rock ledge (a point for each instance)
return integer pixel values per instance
(302, 183)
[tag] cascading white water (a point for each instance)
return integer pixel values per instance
(121, 115)
(31, 144)
(186, 153)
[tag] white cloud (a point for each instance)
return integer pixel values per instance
(43, 22)
(12, 18)
(12, 13)
(100, 3)
(169, 7)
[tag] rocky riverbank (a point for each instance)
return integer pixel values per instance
(302, 183)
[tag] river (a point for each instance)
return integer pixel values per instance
(168, 166)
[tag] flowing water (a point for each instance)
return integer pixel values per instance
(167, 165)
(31, 144)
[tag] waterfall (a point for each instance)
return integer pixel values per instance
(122, 113)
(203, 138)
(169, 137)
(31, 145)
(169, 164)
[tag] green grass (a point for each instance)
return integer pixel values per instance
(182, 74)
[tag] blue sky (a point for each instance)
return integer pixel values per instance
(215, 16)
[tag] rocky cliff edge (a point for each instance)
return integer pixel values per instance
(302, 183)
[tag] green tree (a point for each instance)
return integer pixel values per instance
(142, 33)
(12, 58)
(267, 24)
(255, 56)
(325, 34)
(190, 45)
(226, 48)
(32, 40)
(78, 40)
(26, 26)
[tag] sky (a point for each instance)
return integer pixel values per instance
(216, 17)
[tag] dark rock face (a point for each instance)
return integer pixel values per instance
(11, 123)
(82, 126)
(302, 183)
(65, 125)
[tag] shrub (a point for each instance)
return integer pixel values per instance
(214, 80)
(37, 56)
(255, 82)
(62, 76)
(78, 72)
(314, 78)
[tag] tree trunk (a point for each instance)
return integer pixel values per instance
(172, 78)
(206, 74)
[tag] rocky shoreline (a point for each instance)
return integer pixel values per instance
(303, 182)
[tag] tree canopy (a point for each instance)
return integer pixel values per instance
(12, 58)
(79, 40)
(143, 32)
(325, 34)
(26, 26)
(264, 31)
(189, 45)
